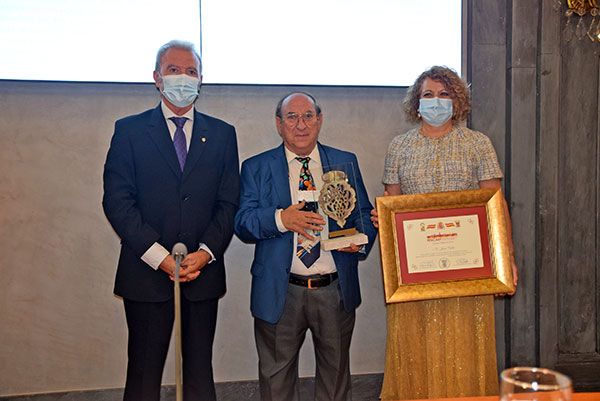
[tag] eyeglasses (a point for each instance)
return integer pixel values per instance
(309, 118)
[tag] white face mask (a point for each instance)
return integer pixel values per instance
(181, 90)
(435, 111)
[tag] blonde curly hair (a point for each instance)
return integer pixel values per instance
(458, 89)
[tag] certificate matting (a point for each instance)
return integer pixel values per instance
(454, 274)
(443, 245)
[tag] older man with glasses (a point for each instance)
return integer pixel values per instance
(296, 284)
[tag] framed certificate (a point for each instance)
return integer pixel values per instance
(443, 245)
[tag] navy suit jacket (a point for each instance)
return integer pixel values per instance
(265, 188)
(147, 199)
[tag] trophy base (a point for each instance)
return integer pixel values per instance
(344, 241)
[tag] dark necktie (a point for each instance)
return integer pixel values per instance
(308, 255)
(179, 140)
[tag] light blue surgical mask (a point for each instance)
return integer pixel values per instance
(435, 111)
(181, 90)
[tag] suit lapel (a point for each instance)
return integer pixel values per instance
(325, 162)
(280, 173)
(159, 132)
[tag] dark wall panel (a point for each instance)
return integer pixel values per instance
(536, 95)
(577, 201)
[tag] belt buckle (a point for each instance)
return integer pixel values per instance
(310, 287)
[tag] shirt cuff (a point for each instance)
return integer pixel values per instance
(207, 249)
(155, 255)
(279, 222)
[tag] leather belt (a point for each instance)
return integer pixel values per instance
(313, 281)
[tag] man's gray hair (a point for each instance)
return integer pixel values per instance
(308, 95)
(176, 44)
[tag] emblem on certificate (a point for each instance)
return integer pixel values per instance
(337, 199)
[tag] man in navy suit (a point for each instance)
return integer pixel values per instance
(171, 175)
(296, 285)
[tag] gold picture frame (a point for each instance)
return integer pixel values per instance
(485, 206)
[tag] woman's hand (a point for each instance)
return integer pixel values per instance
(375, 218)
(374, 215)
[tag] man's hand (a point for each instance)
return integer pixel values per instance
(190, 266)
(168, 265)
(297, 220)
(351, 249)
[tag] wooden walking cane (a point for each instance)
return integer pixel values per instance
(179, 253)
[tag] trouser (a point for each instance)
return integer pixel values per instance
(321, 311)
(150, 325)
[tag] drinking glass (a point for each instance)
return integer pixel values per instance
(534, 384)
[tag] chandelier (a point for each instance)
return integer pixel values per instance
(585, 12)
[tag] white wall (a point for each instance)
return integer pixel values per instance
(61, 328)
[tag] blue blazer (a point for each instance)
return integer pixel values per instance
(147, 199)
(264, 188)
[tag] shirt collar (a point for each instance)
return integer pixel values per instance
(314, 155)
(168, 113)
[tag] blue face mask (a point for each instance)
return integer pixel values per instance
(181, 90)
(435, 111)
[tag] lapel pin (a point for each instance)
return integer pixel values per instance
(203, 139)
